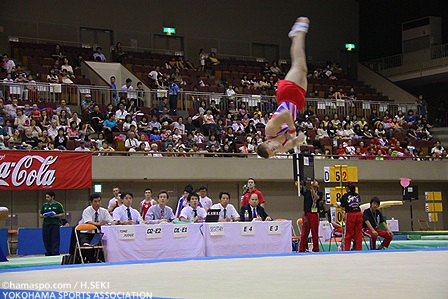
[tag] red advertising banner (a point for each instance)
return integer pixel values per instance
(23, 170)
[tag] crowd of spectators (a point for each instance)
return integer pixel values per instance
(209, 131)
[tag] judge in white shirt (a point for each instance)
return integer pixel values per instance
(125, 214)
(193, 212)
(95, 214)
(228, 212)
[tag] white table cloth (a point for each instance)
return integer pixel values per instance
(143, 248)
(233, 242)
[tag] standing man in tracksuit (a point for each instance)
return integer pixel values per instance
(351, 202)
(310, 217)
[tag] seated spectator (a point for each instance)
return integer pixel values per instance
(20, 79)
(52, 77)
(154, 76)
(177, 77)
(58, 54)
(28, 140)
(193, 212)
(98, 55)
(64, 78)
(227, 212)
(8, 78)
(171, 64)
(63, 120)
(253, 211)
(160, 212)
(367, 133)
(131, 144)
(96, 118)
(121, 113)
(72, 131)
(154, 123)
(57, 67)
(275, 69)
(78, 61)
(379, 131)
(437, 149)
(125, 214)
(230, 92)
(21, 122)
(82, 147)
(60, 140)
(321, 132)
(213, 60)
(161, 83)
(348, 131)
(8, 64)
(372, 218)
(245, 82)
(66, 66)
(128, 121)
(154, 150)
(63, 106)
(36, 131)
(118, 53)
(87, 105)
(411, 118)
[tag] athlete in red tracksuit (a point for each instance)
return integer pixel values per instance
(310, 217)
(351, 202)
(372, 218)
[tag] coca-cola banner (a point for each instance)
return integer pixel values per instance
(24, 170)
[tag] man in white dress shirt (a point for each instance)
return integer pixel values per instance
(206, 202)
(193, 212)
(95, 214)
(125, 214)
(160, 212)
(228, 212)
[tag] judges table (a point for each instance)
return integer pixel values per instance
(146, 242)
(244, 238)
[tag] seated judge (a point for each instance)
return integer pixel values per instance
(193, 212)
(254, 211)
(95, 214)
(372, 218)
(228, 212)
(160, 212)
(125, 214)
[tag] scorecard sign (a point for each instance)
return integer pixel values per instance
(23, 170)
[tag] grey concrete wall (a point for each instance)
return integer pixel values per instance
(273, 178)
(381, 84)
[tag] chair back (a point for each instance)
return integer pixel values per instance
(85, 226)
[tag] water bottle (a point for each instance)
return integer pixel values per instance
(246, 215)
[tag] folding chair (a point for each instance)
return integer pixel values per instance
(366, 237)
(423, 224)
(80, 247)
(336, 237)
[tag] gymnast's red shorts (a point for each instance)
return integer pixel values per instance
(288, 91)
